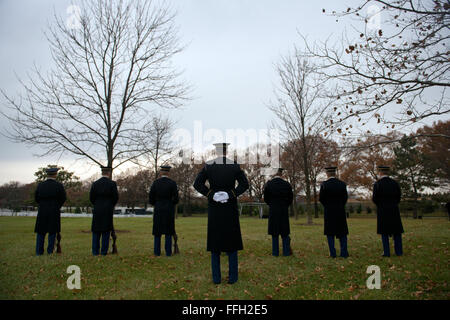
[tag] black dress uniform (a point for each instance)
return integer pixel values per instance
(104, 197)
(333, 196)
(224, 231)
(279, 196)
(163, 196)
(387, 195)
(50, 196)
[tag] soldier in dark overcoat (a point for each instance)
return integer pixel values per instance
(163, 196)
(333, 196)
(387, 195)
(104, 196)
(224, 231)
(278, 195)
(50, 196)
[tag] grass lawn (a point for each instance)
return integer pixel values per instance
(422, 273)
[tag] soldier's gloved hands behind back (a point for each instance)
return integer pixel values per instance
(221, 197)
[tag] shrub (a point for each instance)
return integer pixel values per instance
(301, 210)
(351, 209)
(359, 209)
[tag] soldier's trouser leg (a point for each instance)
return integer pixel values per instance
(331, 246)
(105, 242)
(40, 238)
(232, 267)
(215, 266)
(385, 241)
(398, 244)
(286, 246)
(168, 245)
(95, 243)
(275, 246)
(51, 243)
(343, 243)
(157, 246)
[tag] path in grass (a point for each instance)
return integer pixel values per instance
(422, 273)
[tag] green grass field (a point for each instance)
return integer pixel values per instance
(422, 273)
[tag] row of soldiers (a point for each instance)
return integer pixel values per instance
(333, 196)
(221, 181)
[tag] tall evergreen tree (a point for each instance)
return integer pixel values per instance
(413, 170)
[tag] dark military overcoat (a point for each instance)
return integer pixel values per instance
(104, 197)
(224, 231)
(387, 195)
(50, 196)
(278, 195)
(333, 196)
(163, 196)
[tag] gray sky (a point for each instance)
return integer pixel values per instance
(231, 48)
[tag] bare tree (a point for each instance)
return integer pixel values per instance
(394, 71)
(110, 74)
(184, 173)
(156, 143)
(302, 110)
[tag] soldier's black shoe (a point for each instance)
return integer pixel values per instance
(216, 282)
(232, 281)
(384, 255)
(334, 257)
(344, 256)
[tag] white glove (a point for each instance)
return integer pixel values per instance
(221, 197)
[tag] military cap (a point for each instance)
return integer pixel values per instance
(106, 168)
(221, 147)
(384, 168)
(52, 170)
(330, 169)
(165, 168)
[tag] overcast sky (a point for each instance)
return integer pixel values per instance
(232, 46)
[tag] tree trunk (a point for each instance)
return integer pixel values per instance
(416, 196)
(294, 208)
(415, 206)
(307, 184)
(189, 203)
